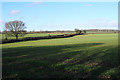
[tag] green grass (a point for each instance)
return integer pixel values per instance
(27, 35)
(82, 56)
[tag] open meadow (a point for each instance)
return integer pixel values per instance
(81, 56)
(27, 35)
(2, 36)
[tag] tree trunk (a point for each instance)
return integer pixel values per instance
(5, 36)
(16, 37)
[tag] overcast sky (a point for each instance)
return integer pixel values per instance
(62, 15)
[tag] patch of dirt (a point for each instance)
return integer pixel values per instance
(21, 56)
(92, 64)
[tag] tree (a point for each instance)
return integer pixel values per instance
(78, 31)
(15, 28)
(84, 31)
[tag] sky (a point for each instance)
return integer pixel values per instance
(62, 15)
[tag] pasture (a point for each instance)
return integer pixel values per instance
(2, 36)
(82, 56)
(27, 35)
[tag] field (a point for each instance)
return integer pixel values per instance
(82, 56)
(27, 35)
(2, 36)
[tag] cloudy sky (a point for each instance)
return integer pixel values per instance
(62, 15)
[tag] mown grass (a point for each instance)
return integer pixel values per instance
(84, 56)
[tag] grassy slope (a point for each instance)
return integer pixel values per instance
(83, 56)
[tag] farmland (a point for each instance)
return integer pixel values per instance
(2, 36)
(82, 56)
(27, 35)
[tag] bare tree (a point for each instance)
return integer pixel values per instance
(15, 28)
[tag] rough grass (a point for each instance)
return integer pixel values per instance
(84, 56)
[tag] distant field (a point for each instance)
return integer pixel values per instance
(28, 35)
(33, 35)
(82, 56)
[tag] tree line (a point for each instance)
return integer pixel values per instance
(17, 28)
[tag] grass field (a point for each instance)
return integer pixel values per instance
(82, 56)
(27, 35)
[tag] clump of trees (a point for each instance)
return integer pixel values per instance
(15, 28)
(80, 31)
(84, 31)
